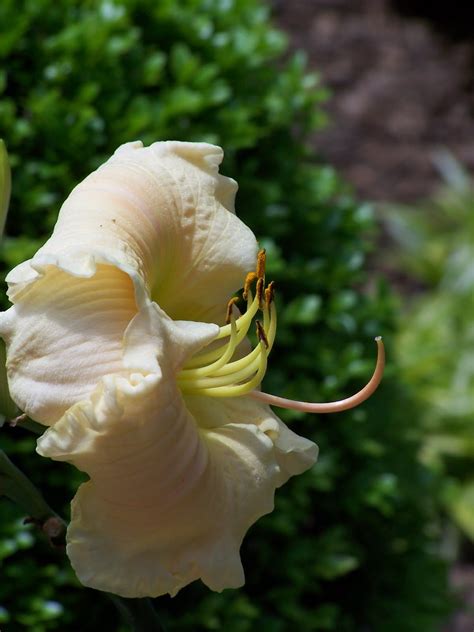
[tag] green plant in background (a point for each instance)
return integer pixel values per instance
(436, 342)
(350, 545)
(7, 406)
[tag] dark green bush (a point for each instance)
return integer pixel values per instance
(350, 544)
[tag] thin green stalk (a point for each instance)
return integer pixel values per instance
(138, 614)
(29, 424)
(17, 486)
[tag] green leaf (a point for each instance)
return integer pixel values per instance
(18, 487)
(462, 507)
(303, 310)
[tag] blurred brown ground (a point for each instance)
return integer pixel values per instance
(403, 87)
(401, 73)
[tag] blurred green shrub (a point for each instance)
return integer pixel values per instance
(350, 544)
(436, 342)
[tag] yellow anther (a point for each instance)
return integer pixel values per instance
(249, 279)
(269, 293)
(261, 258)
(262, 336)
(230, 306)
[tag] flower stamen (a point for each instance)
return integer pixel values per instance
(215, 374)
(261, 333)
(269, 293)
(230, 309)
(249, 279)
(261, 261)
(242, 323)
(235, 390)
(209, 369)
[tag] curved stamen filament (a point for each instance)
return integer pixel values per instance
(239, 364)
(236, 389)
(220, 362)
(330, 407)
(243, 324)
(212, 373)
(244, 321)
(237, 370)
(233, 377)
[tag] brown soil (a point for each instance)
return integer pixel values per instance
(402, 89)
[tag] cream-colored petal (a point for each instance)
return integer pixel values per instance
(163, 215)
(167, 503)
(63, 336)
(169, 500)
(294, 454)
(154, 343)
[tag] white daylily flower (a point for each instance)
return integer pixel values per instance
(113, 343)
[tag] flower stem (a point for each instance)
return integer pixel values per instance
(28, 424)
(16, 486)
(138, 614)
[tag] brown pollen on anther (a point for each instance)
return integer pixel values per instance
(261, 333)
(230, 306)
(259, 289)
(270, 293)
(261, 259)
(249, 279)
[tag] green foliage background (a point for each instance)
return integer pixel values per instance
(436, 342)
(351, 544)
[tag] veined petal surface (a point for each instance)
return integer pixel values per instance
(171, 495)
(293, 454)
(63, 336)
(164, 215)
(151, 223)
